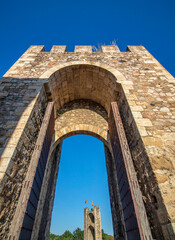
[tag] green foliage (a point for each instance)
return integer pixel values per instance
(52, 236)
(106, 236)
(67, 235)
(78, 234)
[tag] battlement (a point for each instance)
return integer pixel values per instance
(85, 54)
(108, 49)
(92, 209)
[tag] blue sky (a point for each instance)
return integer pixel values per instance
(150, 23)
(82, 176)
(147, 22)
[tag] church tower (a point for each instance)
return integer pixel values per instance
(92, 224)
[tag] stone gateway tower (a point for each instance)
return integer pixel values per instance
(125, 99)
(92, 224)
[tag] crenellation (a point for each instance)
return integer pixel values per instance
(58, 49)
(110, 49)
(34, 49)
(135, 49)
(83, 49)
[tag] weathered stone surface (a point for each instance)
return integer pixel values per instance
(151, 141)
(161, 178)
(161, 163)
(144, 91)
(81, 116)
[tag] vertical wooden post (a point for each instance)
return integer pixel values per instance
(135, 218)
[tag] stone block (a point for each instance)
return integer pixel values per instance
(58, 49)
(152, 141)
(161, 178)
(83, 49)
(35, 49)
(160, 162)
(110, 49)
(144, 122)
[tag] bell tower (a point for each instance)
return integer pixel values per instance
(92, 224)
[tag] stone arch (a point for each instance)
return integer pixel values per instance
(92, 106)
(86, 129)
(117, 74)
(93, 109)
(60, 76)
(100, 84)
(82, 116)
(99, 78)
(82, 82)
(97, 85)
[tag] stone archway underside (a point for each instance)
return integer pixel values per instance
(81, 116)
(83, 82)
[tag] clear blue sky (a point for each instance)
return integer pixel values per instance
(150, 23)
(82, 176)
(130, 22)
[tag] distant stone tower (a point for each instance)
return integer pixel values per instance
(92, 224)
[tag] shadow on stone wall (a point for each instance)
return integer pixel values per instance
(21, 112)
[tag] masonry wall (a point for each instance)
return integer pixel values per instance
(16, 157)
(146, 86)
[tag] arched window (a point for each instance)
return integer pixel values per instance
(91, 216)
(91, 233)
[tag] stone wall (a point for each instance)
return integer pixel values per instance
(12, 181)
(155, 207)
(147, 112)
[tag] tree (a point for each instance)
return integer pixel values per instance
(78, 234)
(67, 235)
